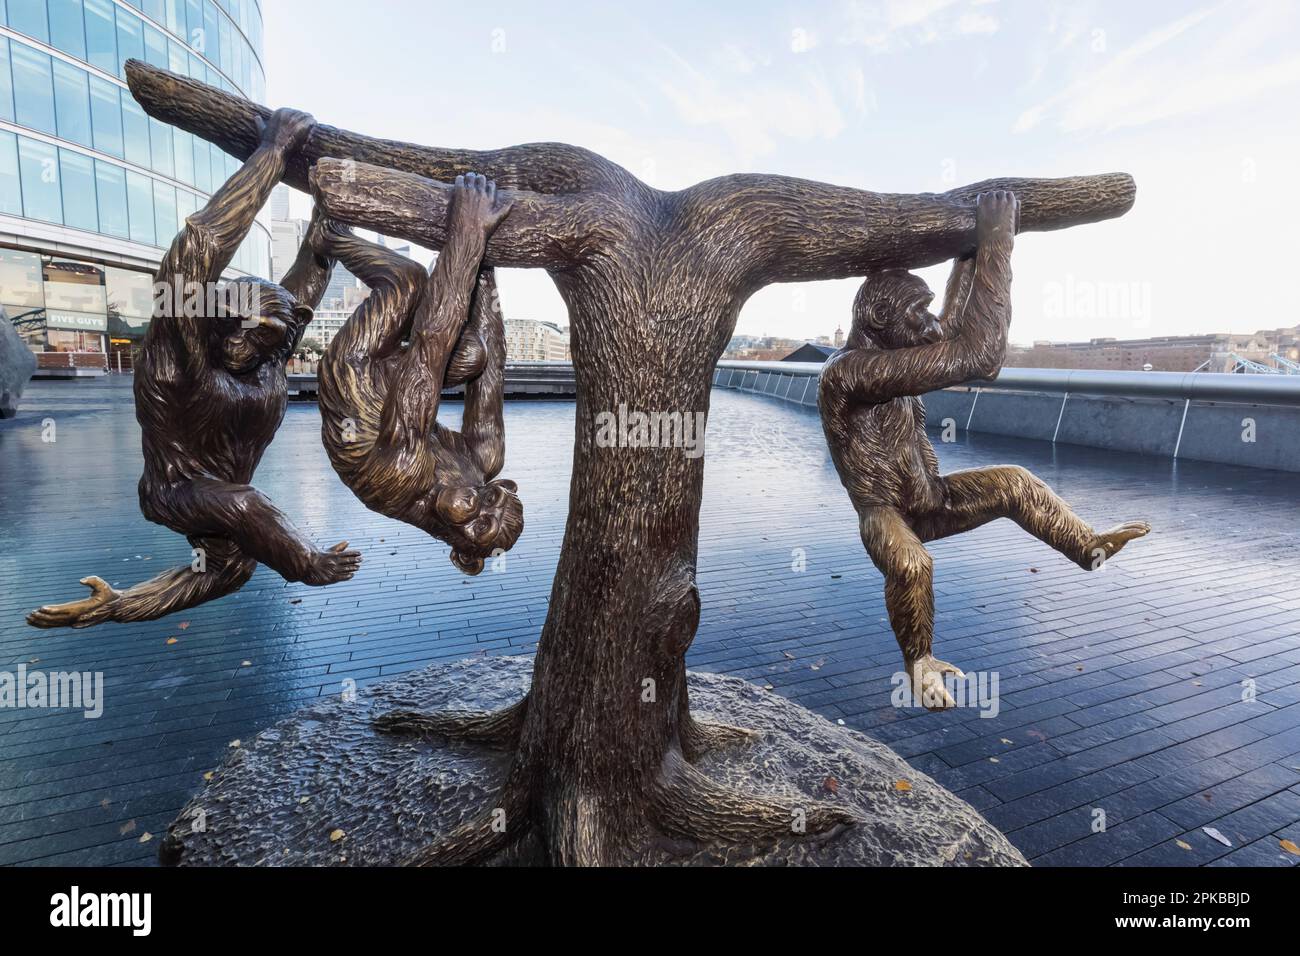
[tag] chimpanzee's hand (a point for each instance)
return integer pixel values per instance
(997, 215)
(288, 129)
(476, 206)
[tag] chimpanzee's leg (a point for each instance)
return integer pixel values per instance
(211, 508)
(1009, 491)
(909, 597)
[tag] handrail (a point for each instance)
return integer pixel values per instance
(1183, 386)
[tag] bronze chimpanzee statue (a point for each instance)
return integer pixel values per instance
(210, 392)
(383, 375)
(875, 425)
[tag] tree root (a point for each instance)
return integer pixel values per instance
(700, 738)
(688, 804)
(483, 837)
(498, 729)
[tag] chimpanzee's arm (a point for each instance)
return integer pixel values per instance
(872, 376)
(411, 405)
(204, 248)
(484, 422)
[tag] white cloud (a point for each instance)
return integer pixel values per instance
(1199, 62)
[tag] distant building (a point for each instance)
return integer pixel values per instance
(528, 340)
(1216, 352)
(286, 239)
(324, 325)
(811, 352)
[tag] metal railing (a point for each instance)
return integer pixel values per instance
(1177, 386)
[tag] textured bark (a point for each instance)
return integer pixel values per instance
(653, 282)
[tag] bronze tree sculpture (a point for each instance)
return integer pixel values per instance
(874, 419)
(604, 741)
(379, 397)
(210, 393)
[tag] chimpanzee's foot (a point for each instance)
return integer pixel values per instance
(1106, 545)
(330, 567)
(928, 688)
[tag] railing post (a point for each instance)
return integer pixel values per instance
(1059, 417)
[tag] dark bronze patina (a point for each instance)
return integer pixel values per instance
(383, 375)
(603, 744)
(875, 425)
(210, 393)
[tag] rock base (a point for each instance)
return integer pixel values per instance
(322, 788)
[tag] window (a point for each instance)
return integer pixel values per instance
(68, 27)
(72, 103)
(106, 117)
(177, 58)
(80, 209)
(110, 187)
(160, 139)
(139, 203)
(28, 16)
(38, 165)
(130, 40)
(11, 191)
(33, 88)
(20, 281)
(202, 164)
(211, 33)
(130, 294)
(164, 213)
(183, 152)
(75, 286)
(101, 35)
(155, 48)
(6, 82)
(155, 10)
(135, 132)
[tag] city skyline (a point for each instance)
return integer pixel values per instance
(925, 95)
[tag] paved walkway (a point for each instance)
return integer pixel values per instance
(1120, 692)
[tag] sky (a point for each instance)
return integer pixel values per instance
(1196, 100)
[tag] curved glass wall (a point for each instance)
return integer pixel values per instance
(77, 151)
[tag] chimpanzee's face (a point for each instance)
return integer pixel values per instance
(895, 307)
(477, 520)
(261, 331)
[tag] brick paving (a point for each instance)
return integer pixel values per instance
(1120, 691)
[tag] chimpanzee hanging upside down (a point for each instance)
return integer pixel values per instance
(210, 392)
(875, 425)
(383, 375)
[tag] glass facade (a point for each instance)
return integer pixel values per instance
(77, 151)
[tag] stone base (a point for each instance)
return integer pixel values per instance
(321, 788)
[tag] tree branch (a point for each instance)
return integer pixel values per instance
(552, 232)
(234, 124)
(794, 230)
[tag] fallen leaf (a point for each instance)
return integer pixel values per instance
(788, 655)
(126, 828)
(831, 785)
(1185, 846)
(173, 640)
(146, 837)
(336, 835)
(1214, 834)
(1290, 847)
(1033, 570)
(819, 665)
(296, 601)
(836, 577)
(184, 625)
(209, 775)
(303, 799)
(246, 664)
(1005, 741)
(902, 786)
(994, 760)
(234, 744)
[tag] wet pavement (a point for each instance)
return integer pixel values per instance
(1135, 707)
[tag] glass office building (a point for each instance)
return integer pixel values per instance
(92, 190)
